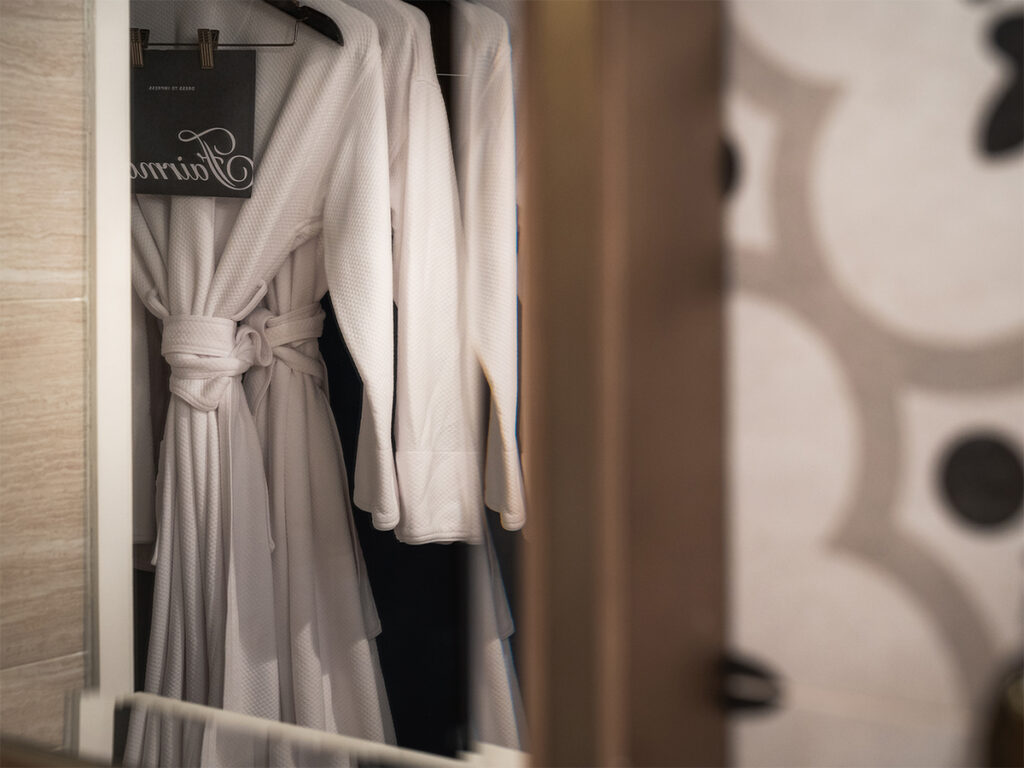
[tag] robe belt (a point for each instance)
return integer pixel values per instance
(207, 356)
(206, 353)
(286, 335)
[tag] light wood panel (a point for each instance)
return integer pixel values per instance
(42, 480)
(622, 384)
(43, 362)
(42, 149)
(32, 704)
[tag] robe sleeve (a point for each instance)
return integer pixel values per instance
(143, 458)
(490, 214)
(437, 455)
(357, 260)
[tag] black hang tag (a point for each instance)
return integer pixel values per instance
(192, 128)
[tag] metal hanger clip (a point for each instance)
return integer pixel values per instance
(207, 44)
(139, 43)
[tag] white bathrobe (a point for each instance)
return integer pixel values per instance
(485, 153)
(440, 422)
(438, 441)
(202, 265)
(485, 163)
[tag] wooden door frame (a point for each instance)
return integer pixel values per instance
(624, 564)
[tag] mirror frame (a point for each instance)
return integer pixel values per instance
(109, 630)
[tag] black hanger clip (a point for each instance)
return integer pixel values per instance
(139, 43)
(207, 44)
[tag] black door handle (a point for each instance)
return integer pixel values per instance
(747, 684)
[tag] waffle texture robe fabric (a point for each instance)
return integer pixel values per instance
(438, 423)
(497, 714)
(202, 265)
(512, 12)
(143, 453)
(326, 620)
(485, 164)
(438, 449)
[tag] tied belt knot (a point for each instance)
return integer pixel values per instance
(286, 337)
(207, 353)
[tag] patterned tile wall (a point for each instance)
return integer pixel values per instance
(876, 325)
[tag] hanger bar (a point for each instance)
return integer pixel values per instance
(145, 42)
(207, 43)
(312, 18)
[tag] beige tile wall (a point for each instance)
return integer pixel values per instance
(43, 362)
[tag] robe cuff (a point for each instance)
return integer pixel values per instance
(504, 488)
(374, 489)
(440, 496)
